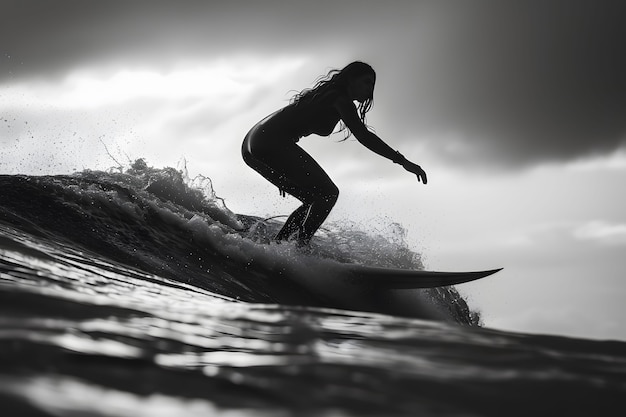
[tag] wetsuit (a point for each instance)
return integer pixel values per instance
(271, 149)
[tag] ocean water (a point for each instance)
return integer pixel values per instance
(139, 293)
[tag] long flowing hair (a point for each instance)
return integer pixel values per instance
(338, 80)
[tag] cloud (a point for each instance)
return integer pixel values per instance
(560, 234)
(526, 82)
(602, 232)
(220, 81)
(46, 39)
(478, 82)
(613, 162)
(205, 106)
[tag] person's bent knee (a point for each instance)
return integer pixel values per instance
(335, 193)
(330, 196)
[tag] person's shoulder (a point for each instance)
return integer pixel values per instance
(332, 95)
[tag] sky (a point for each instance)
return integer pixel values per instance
(516, 110)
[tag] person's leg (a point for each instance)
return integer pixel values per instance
(307, 181)
(293, 170)
(294, 223)
(317, 214)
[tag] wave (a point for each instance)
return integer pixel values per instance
(159, 221)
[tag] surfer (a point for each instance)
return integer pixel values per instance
(271, 149)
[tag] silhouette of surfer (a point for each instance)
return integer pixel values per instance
(271, 149)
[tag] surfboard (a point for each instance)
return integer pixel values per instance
(362, 276)
(394, 278)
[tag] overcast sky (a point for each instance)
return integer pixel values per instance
(515, 109)
(527, 81)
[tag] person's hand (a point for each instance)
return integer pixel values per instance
(417, 170)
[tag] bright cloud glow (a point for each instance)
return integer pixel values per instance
(200, 105)
(220, 80)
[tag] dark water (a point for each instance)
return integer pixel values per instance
(137, 294)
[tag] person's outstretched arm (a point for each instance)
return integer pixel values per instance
(348, 113)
